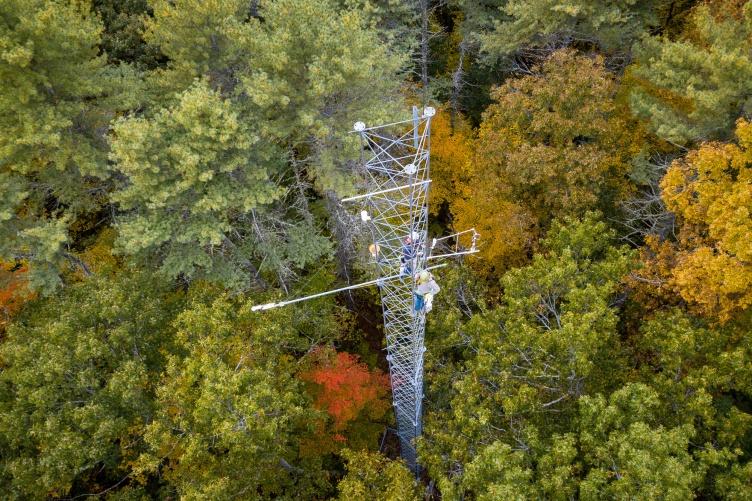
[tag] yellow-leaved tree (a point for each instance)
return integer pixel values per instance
(710, 191)
(555, 143)
(451, 151)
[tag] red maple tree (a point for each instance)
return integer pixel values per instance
(13, 291)
(346, 389)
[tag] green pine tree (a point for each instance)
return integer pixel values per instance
(695, 88)
(220, 174)
(196, 174)
(57, 97)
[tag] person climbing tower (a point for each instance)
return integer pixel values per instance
(409, 253)
(425, 290)
(375, 250)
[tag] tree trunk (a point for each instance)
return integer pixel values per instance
(423, 6)
(457, 82)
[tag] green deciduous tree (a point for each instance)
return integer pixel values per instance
(231, 411)
(629, 455)
(736, 483)
(77, 385)
(501, 471)
(690, 364)
(700, 374)
(552, 341)
(662, 416)
(372, 476)
(57, 96)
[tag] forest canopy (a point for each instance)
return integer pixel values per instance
(167, 165)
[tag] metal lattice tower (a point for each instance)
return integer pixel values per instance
(394, 175)
(396, 179)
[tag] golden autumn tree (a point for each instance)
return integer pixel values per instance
(650, 284)
(554, 144)
(710, 190)
(451, 151)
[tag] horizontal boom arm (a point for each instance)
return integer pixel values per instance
(268, 306)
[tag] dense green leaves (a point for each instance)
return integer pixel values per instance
(372, 476)
(315, 72)
(230, 409)
(245, 116)
(195, 175)
(77, 384)
(112, 383)
(200, 39)
(528, 417)
(609, 25)
(552, 341)
(629, 454)
(123, 35)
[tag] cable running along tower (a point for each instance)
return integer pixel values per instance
(394, 179)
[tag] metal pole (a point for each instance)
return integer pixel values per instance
(381, 192)
(378, 281)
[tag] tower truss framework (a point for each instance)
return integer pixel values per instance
(395, 176)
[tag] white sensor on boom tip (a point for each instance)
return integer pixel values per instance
(359, 126)
(428, 111)
(262, 307)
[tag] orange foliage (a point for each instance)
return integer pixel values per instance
(652, 285)
(473, 195)
(13, 291)
(345, 388)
